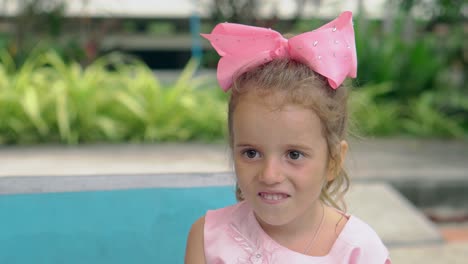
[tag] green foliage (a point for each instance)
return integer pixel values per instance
(118, 98)
(409, 85)
(431, 114)
(412, 66)
(369, 116)
(114, 99)
(424, 119)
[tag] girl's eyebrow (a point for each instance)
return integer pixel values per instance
(242, 145)
(299, 146)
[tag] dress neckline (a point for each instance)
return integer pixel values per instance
(337, 245)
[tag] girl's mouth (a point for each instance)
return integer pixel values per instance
(273, 197)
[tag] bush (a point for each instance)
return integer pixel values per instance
(114, 99)
(410, 86)
(425, 115)
(119, 99)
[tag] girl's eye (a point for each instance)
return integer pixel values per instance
(294, 155)
(251, 153)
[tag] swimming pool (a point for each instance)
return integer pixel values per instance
(141, 225)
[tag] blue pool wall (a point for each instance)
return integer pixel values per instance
(117, 226)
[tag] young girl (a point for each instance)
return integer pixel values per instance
(287, 127)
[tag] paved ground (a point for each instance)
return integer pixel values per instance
(372, 164)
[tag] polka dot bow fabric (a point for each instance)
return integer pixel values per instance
(329, 50)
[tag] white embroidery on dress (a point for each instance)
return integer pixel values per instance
(257, 253)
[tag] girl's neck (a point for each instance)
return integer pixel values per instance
(303, 225)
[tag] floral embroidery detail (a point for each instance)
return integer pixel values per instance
(257, 254)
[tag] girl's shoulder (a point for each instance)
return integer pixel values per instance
(357, 231)
(206, 233)
(194, 251)
(230, 234)
(360, 236)
(225, 215)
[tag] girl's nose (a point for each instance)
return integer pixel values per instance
(271, 172)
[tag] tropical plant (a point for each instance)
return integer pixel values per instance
(116, 98)
(371, 116)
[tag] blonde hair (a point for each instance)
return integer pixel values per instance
(295, 83)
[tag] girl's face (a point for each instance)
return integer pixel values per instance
(280, 158)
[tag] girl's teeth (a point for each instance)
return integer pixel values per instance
(273, 197)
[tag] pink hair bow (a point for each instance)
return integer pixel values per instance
(329, 50)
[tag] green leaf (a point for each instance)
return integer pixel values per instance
(31, 107)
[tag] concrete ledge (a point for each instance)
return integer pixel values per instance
(397, 221)
(77, 183)
(453, 253)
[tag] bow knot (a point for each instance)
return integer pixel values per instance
(283, 49)
(328, 50)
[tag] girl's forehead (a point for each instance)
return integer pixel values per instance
(274, 100)
(252, 107)
(265, 126)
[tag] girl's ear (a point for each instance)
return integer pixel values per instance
(334, 168)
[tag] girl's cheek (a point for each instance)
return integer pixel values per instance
(245, 173)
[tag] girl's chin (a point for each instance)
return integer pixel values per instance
(270, 219)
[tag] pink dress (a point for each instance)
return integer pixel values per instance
(233, 235)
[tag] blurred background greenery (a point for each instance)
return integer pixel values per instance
(70, 86)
